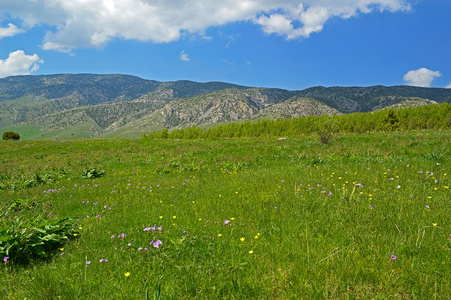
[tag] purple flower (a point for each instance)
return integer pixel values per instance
(427, 206)
(112, 236)
(88, 262)
(103, 260)
(410, 196)
(159, 228)
(5, 259)
(157, 244)
(139, 249)
(146, 229)
(394, 257)
(371, 207)
(97, 216)
(399, 186)
(129, 244)
(226, 222)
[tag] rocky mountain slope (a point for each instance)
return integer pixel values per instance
(88, 105)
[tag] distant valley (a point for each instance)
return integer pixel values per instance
(89, 105)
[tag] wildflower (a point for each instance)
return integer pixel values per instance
(97, 216)
(250, 252)
(103, 260)
(394, 257)
(112, 236)
(427, 206)
(61, 249)
(256, 236)
(139, 249)
(159, 228)
(220, 234)
(129, 244)
(371, 207)
(399, 186)
(88, 262)
(127, 274)
(242, 239)
(5, 259)
(80, 228)
(157, 244)
(226, 222)
(75, 234)
(435, 224)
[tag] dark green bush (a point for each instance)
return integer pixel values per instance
(11, 135)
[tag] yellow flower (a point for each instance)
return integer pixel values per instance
(219, 234)
(161, 217)
(435, 224)
(80, 228)
(242, 239)
(61, 249)
(174, 217)
(250, 252)
(127, 274)
(75, 234)
(256, 236)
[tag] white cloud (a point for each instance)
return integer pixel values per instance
(93, 23)
(422, 77)
(11, 30)
(448, 86)
(183, 56)
(18, 63)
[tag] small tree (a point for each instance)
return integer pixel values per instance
(10, 135)
(391, 121)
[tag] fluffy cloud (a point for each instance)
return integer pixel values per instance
(18, 63)
(11, 30)
(422, 77)
(448, 86)
(92, 23)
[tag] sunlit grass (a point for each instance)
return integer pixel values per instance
(364, 217)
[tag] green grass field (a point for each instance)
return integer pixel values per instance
(365, 217)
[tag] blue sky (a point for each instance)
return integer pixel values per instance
(290, 44)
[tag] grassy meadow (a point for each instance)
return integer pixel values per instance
(364, 217)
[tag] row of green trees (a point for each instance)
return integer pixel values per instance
(436, 116)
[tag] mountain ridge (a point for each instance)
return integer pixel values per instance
(92, 105)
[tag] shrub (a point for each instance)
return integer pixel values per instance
(92, 173)
(11, 135)
(28, 232)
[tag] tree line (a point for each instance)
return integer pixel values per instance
(437, 116)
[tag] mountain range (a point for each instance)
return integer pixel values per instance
(89, 105)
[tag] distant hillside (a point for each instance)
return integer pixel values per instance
(89, 105)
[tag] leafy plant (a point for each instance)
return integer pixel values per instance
(92, 173)
(28, 233)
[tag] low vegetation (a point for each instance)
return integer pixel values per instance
(362, 216)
